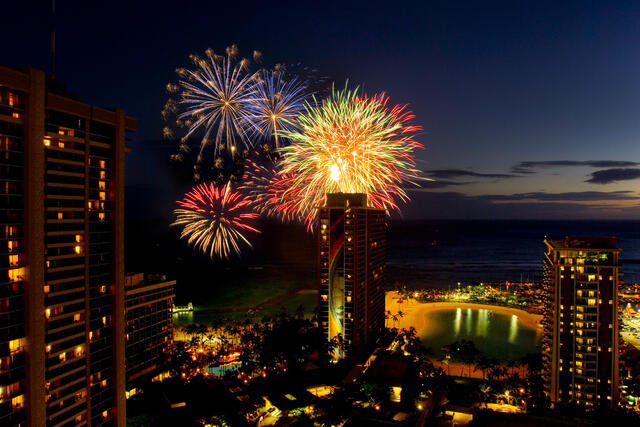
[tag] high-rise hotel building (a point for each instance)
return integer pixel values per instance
(581, 321)
(148, 304)
(352, 251)
(62, 315)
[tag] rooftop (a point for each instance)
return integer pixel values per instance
(584, 242)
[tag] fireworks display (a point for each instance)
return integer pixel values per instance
(214, 219)
(276, 102)
(266, 189)
(212, 102)
(351, 144)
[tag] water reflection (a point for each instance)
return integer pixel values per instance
(483, 323)
(503, 336)
(513, 328)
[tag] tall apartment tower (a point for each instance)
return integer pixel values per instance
(581, 322)
(352, 251)
(149, 304)
(62, 316)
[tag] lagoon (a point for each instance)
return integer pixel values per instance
(497, 335)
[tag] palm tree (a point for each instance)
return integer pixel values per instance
(485, 389)
(483, 364)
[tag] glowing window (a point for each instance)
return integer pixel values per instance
(103, 195)
(16, 346)
(102, 185)
(17, 402)
(76, 317)
(13, 260)
(59, 215)
(16, 274)
(101, 216)
(78, 249)
(103, 175)
(102, 164)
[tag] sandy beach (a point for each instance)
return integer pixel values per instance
(415, 312)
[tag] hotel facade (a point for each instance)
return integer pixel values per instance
(62, 293)
(581, 321)
(149, 303)
(352, 251)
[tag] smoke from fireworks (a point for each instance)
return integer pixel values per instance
(276, 102)
(212, 101)
(214, 219)
(350, 144)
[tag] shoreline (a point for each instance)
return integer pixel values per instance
(415, 312)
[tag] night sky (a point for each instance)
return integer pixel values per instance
(530, 109)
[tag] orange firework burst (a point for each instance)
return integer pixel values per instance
(350, 144)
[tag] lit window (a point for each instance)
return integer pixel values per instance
(78, 238)
(102, 164)
(102, 185)
(16, 346)
(78, 249)
(103, 175)
(17, 402)
(101, 216)
(62, 356)
(13, 260)
(59, 215)
(47, 313)
(47, 289)
(103, 195)
(16, 274)
(47, 142)
(76, 317)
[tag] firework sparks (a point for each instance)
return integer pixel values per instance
(212, 101)
(266, 187)
(350, 144)
(277, 101)
(214, 219)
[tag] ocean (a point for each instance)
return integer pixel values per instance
(420, 254)
(443, 253)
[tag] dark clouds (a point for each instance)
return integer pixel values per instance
(608, 176)
(459, 173)
(581, 196)
(560, 206)
(440, 184)
(529, 167)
